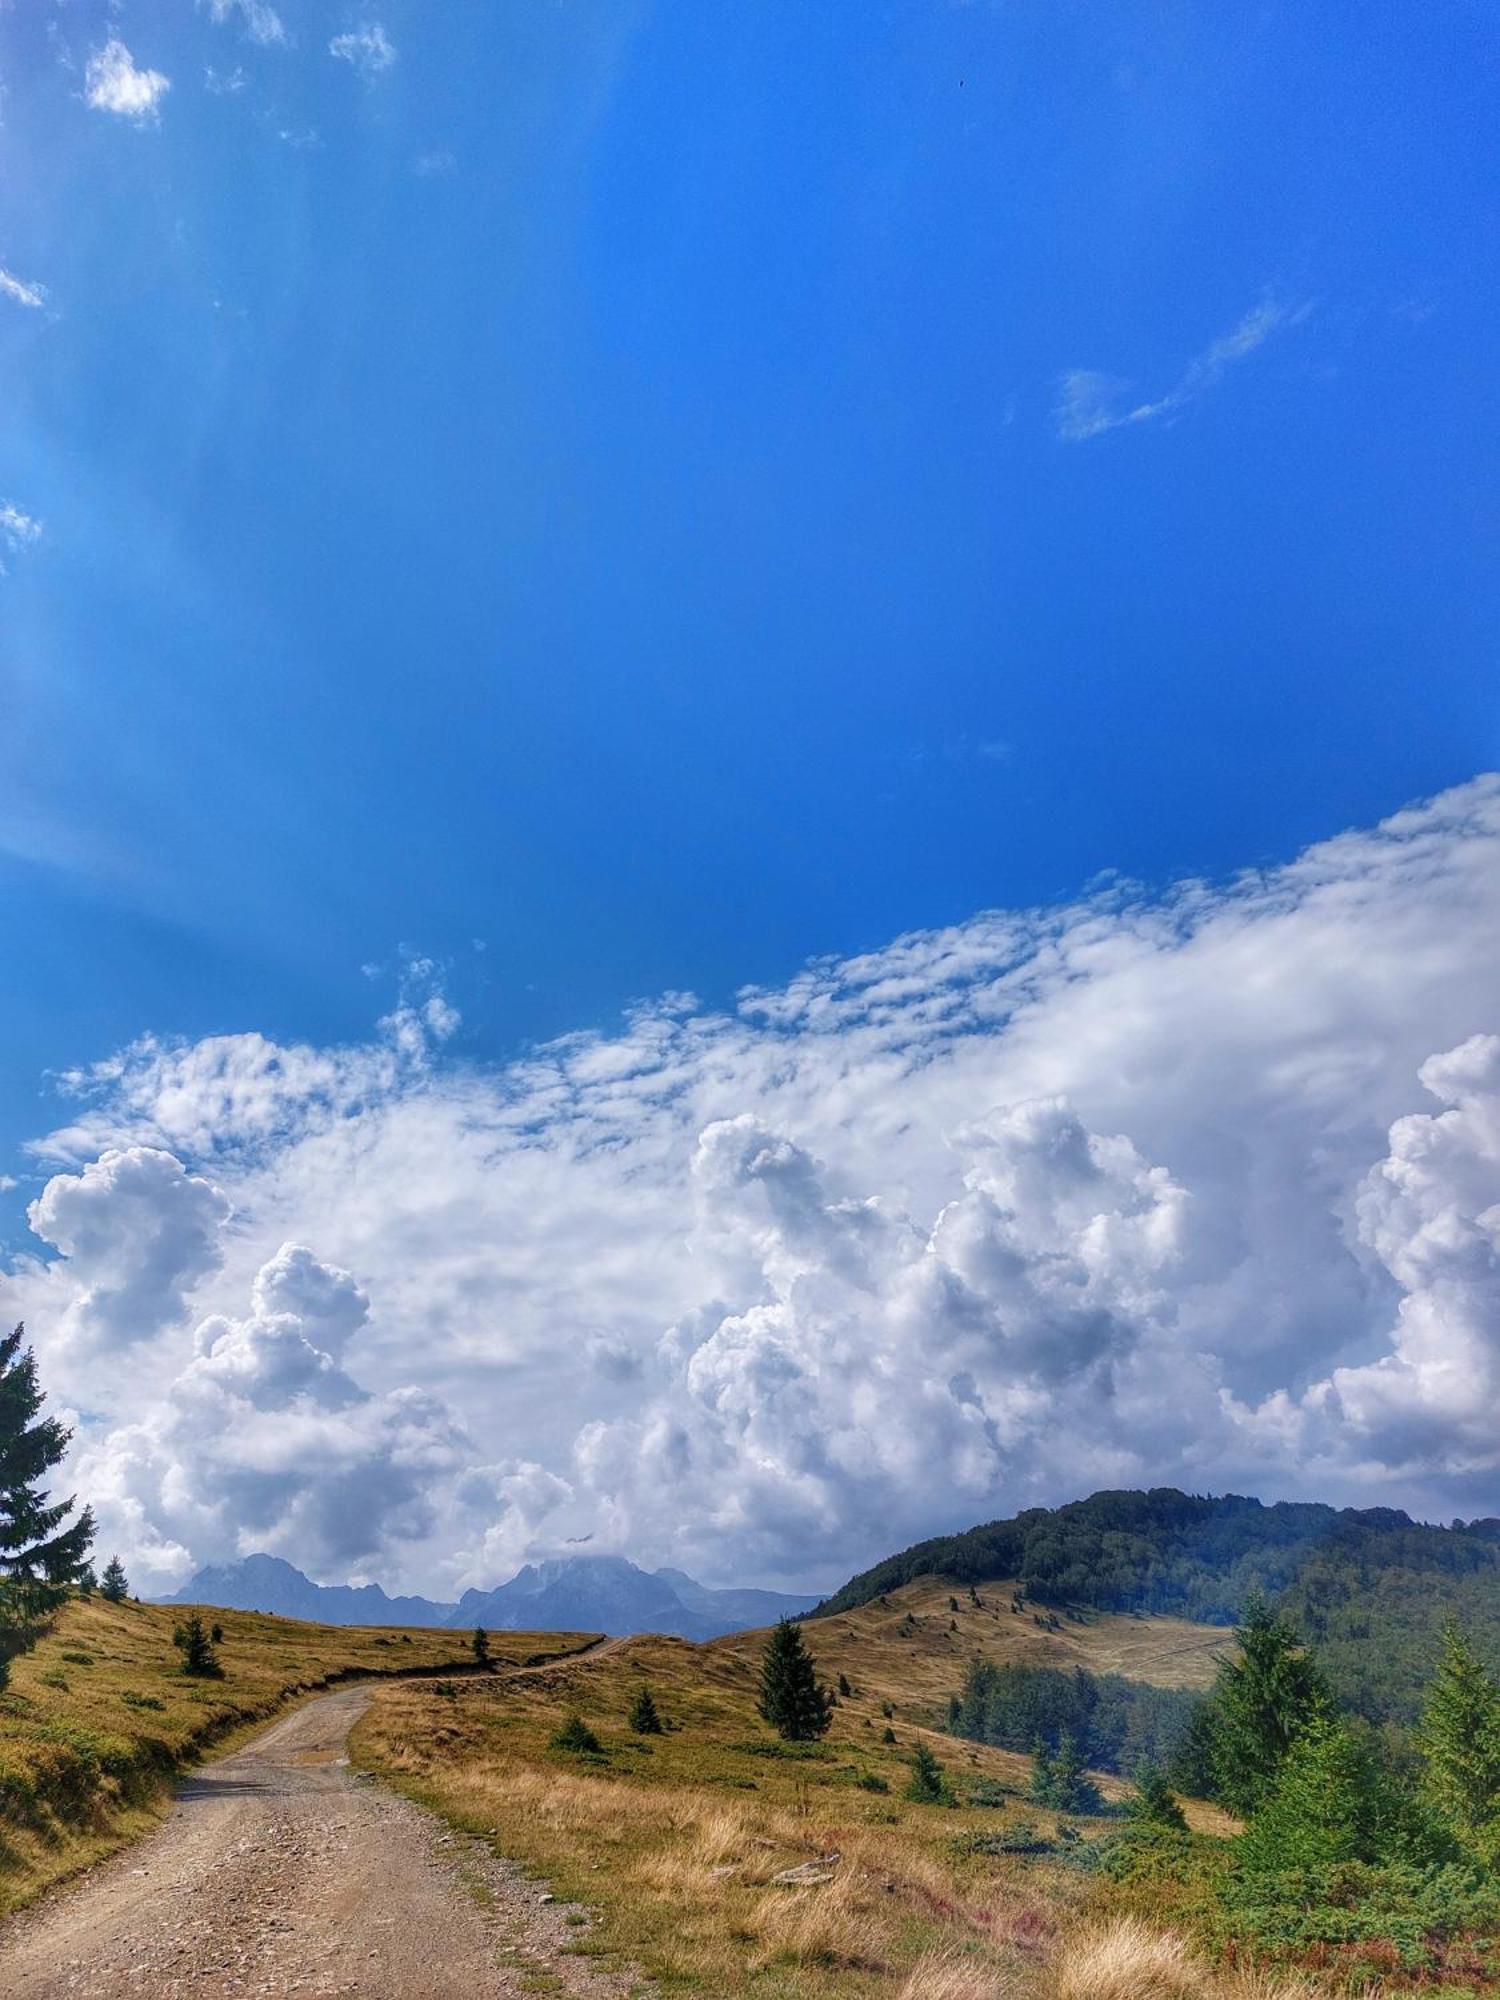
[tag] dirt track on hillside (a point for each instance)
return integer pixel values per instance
(279, 1871)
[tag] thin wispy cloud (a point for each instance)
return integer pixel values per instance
(258, 22)
(18, 530)
(113, 82)
(20, 291)
(367, 48)
(1090, 403)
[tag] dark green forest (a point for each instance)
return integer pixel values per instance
(1371, 1588)
(1116, 1724)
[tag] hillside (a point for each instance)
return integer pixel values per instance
(689, 1844)
(1370, 1588)
(99, 1716)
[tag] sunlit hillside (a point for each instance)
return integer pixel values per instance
(99, 1716)
(913, 1645)
(683, 1841)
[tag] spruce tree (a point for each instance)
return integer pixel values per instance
(114, 1584)
(42, 1552)
(1460, 1740)
(1265, 1699)
(1324, 1807)
(645, 1719)
(1060, 1778)
(792, 1699)
(481, 1647)
(1154, 1804)
(928, 1784)
(198, 1655)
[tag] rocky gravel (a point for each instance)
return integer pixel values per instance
(279, 1871)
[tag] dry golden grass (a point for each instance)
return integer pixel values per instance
(919, 1667)
(99, 1716)
(1131, 1960)
(678, 1839)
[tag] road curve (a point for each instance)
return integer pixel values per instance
(279, 1871)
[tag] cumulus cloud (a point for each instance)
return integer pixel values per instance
(1157, 1178)
(366, 48)
(113, 82)
(257, 21)
(136, 1233)
(1430, 1213)
(265, 1440)
(24, 294)
(1090, 403)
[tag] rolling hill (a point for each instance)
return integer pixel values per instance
(1370, 1588)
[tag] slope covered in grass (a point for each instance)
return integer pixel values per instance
(99, 1717)
(679, 1839)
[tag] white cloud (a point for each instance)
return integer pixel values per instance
(1430, 1213)
(258, 22)
(24, 294)
(18, 529)
(112, 82)
(367, 48)
(136, 1233)
(265, 1441)
(1090, 403)
(1144, 1188)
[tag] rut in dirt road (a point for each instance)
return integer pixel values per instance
(279, 1871)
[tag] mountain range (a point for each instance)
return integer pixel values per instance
(566, 1594)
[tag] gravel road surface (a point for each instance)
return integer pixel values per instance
(279, 1871)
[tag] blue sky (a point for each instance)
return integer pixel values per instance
(561, 504)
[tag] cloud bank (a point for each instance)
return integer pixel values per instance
(1200, 1187)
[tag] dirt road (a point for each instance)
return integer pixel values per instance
(279, 1871)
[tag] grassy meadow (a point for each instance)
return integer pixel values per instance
(98, 1717)
(678, 1840)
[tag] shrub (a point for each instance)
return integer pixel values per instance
(988, 1792)
(1153, 1802)
(927, 1784)
(198, 1656)
(644, 1718)
(1366, 1920)
(576, 1736)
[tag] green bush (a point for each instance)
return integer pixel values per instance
(1367, 1920)
(576, 1736)
(928, 1784)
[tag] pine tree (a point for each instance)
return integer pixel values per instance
(792, 1698)
(928, 1785)
(198, 1655)
(1266, 1698)
(575, 1735)
(42, 1553)
(1460, 1740)
(644, 1717)
(1324, 1807)
(481, 1644)
(1153, 1802)
(114, 1585)
(1059, 1777)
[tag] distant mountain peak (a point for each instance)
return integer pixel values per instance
(597, 1592)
